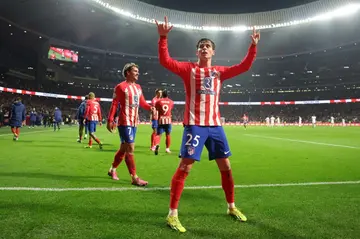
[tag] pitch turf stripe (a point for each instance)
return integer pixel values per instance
(303, 141)
(167, 188)
(35, 132)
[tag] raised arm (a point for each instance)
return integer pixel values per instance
(164, 56)
(246, 63)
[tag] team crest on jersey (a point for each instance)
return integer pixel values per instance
(215, 74)
(190, 150)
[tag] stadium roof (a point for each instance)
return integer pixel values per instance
(226, 6)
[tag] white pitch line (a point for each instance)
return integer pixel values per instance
(167, 188)
(32, 132)
(303, 141)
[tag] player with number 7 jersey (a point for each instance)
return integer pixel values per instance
(202, 82)
(127, 98)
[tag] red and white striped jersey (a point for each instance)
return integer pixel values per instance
(155, 113)
(93, 111)
(129, 96)
(164, 106)
(202, 84)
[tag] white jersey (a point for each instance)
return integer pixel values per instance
(278, 120)
(313, 119)
(272, 119)
(267, 120)
(332, 119)
(343, 122)
(300, 120)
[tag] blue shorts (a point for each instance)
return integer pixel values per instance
(164, 128)
(127, 134)
(15, 123)
(92, 126)
(213, 137)
(154, 124)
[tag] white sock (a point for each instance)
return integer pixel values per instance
(231, 205)
(112, 169)
(173, 212)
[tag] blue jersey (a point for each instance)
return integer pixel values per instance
(81, 110)
(17, 112)
(33, 116)
(57, 115)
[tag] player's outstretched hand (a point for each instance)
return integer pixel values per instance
(100, 124)
(164, 28)
(255, 36)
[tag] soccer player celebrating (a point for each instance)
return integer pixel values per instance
(154, 118)
(57, 118)
(17, 117)
(164, 106)
(80, 117)
(92, 117)
(202, 83)
(128, 95)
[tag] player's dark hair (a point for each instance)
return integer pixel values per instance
(17, 99)
(157, 90)
(203, 40)
(127, 68)
(86, 97)
(164, 94)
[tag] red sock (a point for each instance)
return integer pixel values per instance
(177, 186)
(153, 139)
(119, 156)
(130, 163)
(97, 140)
(168, 141)
(227, 183)
(90, 141)
(18, 131)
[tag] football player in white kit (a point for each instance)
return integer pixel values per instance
(278, 121)
(332, 121)
(267, 121)
(272, 121)
(300, 121)
(343, 122)
(313, 120)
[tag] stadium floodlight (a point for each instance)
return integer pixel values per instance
(344, 11)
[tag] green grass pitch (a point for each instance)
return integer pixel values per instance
(264, 159)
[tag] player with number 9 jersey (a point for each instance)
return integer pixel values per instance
(164, 106)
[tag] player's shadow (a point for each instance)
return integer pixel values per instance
(272, 231)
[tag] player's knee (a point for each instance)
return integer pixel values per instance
(223, 164)
(186, 164)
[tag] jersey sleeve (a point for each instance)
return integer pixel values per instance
(143, 103)
(86, 114)
(115, 104)
(99, 113)
(179, 68)
(227, 72)
(23, 113)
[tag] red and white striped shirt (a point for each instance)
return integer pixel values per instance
(93, 111)
(129, 96)
(164, 106)
(203, 84)
(155, 113)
